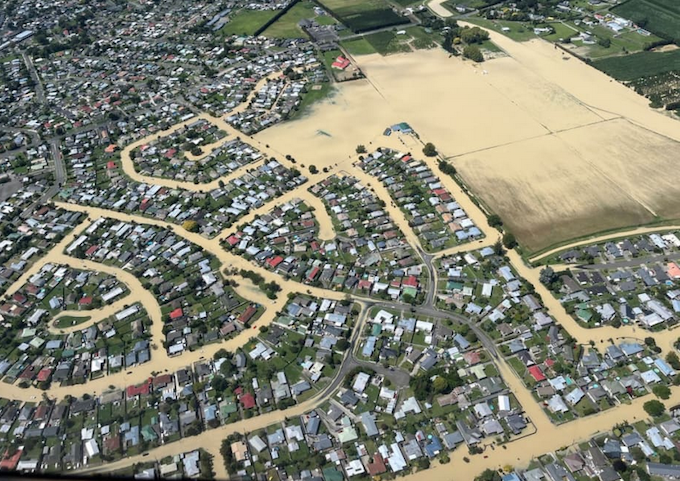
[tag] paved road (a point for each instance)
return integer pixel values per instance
(433, 312)
(59, 169)
(39, 91)
(59, 178)
(35, 140)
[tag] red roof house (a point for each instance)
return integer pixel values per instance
(162, 380)
(19, 298)
(536, 373)
(274, 261)
(29, 373)
(44, 374)
(377, 466)
(247, 401)
(341, 63)
(176, 314)
(9, 463)
(247, 315)
(141, 390)
(85, 301)
(315, 272)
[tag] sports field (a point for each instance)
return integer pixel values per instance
(246, 22)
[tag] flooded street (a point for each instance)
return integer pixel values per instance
(431, 92)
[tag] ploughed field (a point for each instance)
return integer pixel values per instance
(577, 182)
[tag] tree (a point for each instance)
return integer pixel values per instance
(218, 383)
(619, 466)
(604, 42)
(637, 453)
(661, 391)
(495, 220)
(654, 408)
(473, 53)
(498, 248)
(509, 241)
(673, 360)
(440, 385)
(471, 337)
(190, 225)
(447, 168)
(361, 149)
(430, 150)
(547, 276)
(313, 169)
(489, 475)
(342, 345)
(473, 35)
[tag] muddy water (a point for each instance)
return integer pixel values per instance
(431, 92)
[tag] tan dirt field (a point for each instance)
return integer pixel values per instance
(666, 48)
(546, 193)
(551, 144)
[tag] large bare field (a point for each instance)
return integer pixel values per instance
(554, 146)
(546, 192)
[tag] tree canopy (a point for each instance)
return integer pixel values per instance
(473, 53)
(509, 241)
(654, 408)
(430, 150)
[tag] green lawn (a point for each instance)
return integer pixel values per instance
(422, 38)
(69, 321)
(388, 42)
(287, 26)
(490, 46)
(562, 31)
(246, 22)
(358, 46)
(311, 97)
(519, 31)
